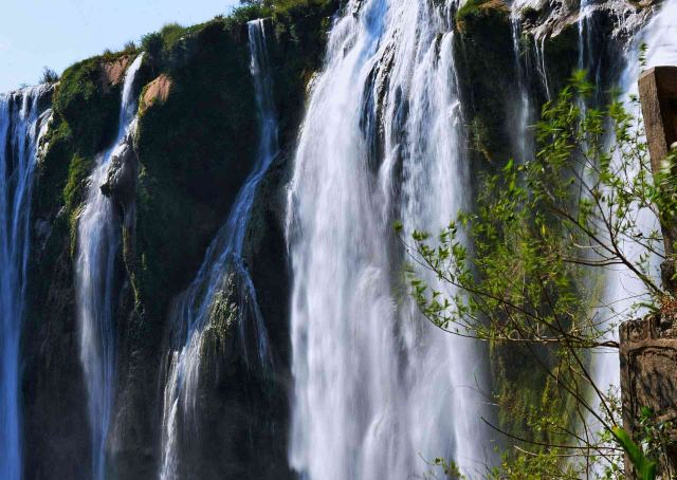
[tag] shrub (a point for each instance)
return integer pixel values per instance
(49, 76)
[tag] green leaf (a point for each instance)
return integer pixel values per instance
(644, 467)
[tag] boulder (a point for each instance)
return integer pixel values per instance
(120, 184)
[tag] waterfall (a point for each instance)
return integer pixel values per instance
(377, 389)
(524, 148)
(223, 265)
(623, 289)
(21, 125)
(97, 249)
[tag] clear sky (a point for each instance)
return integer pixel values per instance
(57, 33)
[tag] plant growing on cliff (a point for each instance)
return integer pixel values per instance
(524, 268)
(49, 76)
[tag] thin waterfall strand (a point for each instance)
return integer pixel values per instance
(98, 247)
(223, 262)
(21, 126)
(524, 143)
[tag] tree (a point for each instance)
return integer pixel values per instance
(522, 268)
(49, 76)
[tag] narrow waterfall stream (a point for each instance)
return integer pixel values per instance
(98, 247)
(21, 124)
(377, 389)
(223, 268)
(524, 142)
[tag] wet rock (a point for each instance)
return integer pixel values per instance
(120, 182)
(542, 18)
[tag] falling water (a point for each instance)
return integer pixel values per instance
(539, 49)
(377, 389)
(21, 125)
(523, 135)
(98, 246)
(624, 289)
(223, 262)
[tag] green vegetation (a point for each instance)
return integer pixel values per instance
(251, 9)
(474, 11)
(49, 76)
(542, 233)
(89, 107)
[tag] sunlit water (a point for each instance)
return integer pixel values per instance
(223, 268)
(21, 125)
(378, 391)
(97, 249)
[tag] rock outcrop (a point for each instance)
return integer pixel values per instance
(648, 357)
(113, 71)
(156, 91)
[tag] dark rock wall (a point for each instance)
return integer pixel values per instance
(173, 188)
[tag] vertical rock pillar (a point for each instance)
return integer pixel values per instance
(648, 346)
(658, 95)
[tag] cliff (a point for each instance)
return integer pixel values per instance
(196, 141)
(173, 187)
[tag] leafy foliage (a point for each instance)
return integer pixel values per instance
(522, 268)
(49, 76)
(542, 228)
(645, 468)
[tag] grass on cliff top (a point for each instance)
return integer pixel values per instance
(251, 9)
(475, 9)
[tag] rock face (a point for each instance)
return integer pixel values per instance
(544, 18)
(120, 182)
(658, 94)
(648, 364)
(156, 91)
(172, 182)
(113, 72)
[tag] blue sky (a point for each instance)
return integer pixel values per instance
(57, 33)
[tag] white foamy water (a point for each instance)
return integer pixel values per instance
(377, 389)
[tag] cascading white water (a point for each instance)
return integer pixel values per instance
(223, 262)
(98, 247)
(376, 388)
(21, 125)
(623, 289)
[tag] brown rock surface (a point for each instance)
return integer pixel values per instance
(157, 90)
(113, 72)
(658, 95)
(648, 351)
